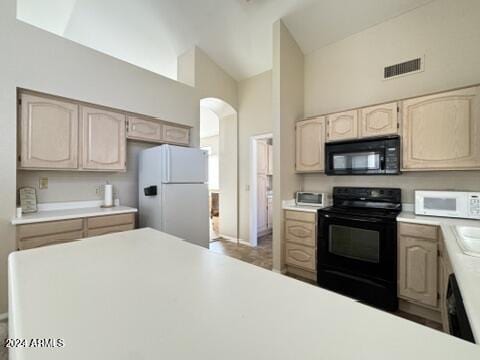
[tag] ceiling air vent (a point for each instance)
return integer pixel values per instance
(404, 68)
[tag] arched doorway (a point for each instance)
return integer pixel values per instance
(219, 136)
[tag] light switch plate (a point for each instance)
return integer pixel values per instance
(43, 183)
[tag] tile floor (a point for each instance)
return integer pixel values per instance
(262, 256)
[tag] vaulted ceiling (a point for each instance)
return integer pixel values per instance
(236, 34)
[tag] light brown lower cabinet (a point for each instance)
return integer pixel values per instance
(35, 235)
(420, 278)
(300, 239)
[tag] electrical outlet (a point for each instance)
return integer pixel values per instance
(43, 182)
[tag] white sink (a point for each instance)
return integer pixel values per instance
(468, 237)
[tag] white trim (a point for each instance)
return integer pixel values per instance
(4, 317)
(234, 240)
(253, 231)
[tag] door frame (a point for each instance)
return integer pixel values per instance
(253, 207)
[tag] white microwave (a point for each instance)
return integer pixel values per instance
(311, 198)
(459, 204)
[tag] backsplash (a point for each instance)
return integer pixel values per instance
(80, 186)
(407, 181)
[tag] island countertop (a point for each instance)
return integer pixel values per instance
(143, 294)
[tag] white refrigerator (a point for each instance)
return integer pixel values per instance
(173, 192)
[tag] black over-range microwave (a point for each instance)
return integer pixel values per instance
(376, 156)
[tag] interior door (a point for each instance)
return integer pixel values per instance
(184, 165)
(185, 212)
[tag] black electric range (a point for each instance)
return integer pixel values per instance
(357, 244)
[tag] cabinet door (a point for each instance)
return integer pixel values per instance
(49, 133)
(175, 135)
(269, 212)
(442, 131)
(342, 126)
(270, 160)
(310, 145)
(417, 270)
(379, 120)
(143, 129)
(262, 157)
(262, 186)
(104, 140)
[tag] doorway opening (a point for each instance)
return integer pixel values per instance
(219, 137)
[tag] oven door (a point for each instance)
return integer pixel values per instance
(357, 245)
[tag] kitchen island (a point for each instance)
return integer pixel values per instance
(143, 294)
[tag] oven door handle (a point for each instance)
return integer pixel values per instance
(353, 218)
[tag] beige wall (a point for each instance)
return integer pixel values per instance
(206, 76)
(287, 105)
(38, 60)
(349, 73)
(255, 118)
(228, 176)
(78, 186)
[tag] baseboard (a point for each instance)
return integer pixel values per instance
(418, 310)
(264, 232)
(3, 317)
(234, 240)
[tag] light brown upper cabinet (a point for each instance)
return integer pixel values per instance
(310, 145)
(262, 157)
(270, 160)
(175, 135)
(48, 133)
(342, 126)
(379, 120)
(441, 132)
(104, 140)
(144, 129)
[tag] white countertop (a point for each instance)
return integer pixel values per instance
(70, 213)
(291, 205)
(143, 294)
(465, 267)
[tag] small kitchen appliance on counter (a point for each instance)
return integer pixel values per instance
(357, 244)
(304, 198)
(459, 204)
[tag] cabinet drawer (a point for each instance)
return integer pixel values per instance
(300, 256)
(110, 220)
(49, 228)
(415, 230)
(38, 241)
(144, 129)
(174, 134)
(300, 216)
(110, 229)
(300, 232)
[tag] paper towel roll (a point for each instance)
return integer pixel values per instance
(108, 195)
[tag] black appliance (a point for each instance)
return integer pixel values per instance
(377, 156)
(457, 317)
(357, 244)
